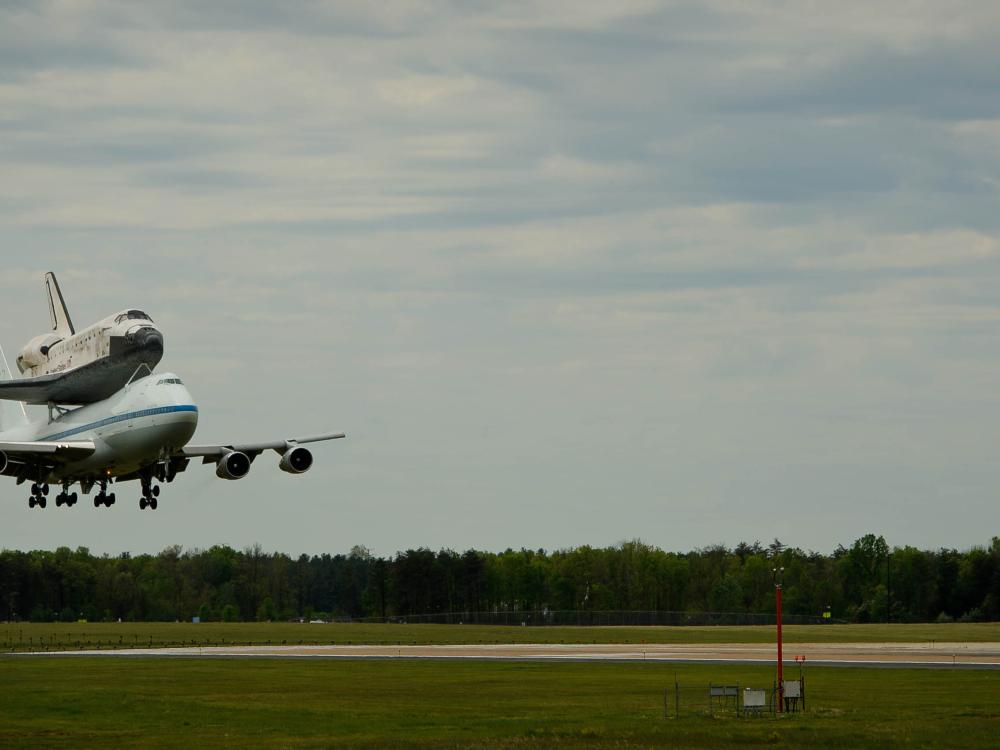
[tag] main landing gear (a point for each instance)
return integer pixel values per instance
(149, 494)
(38, 493)
(65, 497)
(102, 497)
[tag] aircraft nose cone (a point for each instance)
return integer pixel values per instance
(149, 339)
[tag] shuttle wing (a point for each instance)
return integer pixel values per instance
(81, 385)
(212, 452)
(39, 390)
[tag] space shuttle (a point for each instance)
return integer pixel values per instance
(67, 367)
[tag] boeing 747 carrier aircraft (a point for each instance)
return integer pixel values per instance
(138, 432)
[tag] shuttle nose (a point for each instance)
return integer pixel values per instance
(148, 339)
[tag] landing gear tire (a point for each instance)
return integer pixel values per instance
(66, 497)
(45, 490)
(103, 497)
(149, 493)
(31, 501)
(41, 502)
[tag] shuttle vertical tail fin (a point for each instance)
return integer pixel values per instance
(59, 315)
(12, 413)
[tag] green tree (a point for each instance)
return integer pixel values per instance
(727, 595)
(266, 610)
(230, 613)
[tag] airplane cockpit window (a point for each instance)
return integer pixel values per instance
(169, 381)
(133, 315)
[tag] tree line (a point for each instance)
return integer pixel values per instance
(866, 582)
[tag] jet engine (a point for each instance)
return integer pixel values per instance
(296, 460)
(233, 465)
(3, 461)
(36, 351)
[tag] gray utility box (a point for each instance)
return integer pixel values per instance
(754, 701)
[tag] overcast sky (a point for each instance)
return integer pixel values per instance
(565, 272)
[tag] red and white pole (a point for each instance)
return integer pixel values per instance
(781, 682)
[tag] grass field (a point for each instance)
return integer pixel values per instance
(61, 636)
(84, 702)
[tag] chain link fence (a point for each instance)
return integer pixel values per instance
(734, 699)
(536, 617)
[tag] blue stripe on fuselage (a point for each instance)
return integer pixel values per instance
(119, 418)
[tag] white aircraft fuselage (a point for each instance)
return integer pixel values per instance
(130, 426)
(148, 420)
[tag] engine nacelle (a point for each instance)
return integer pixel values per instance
(3, 461)
(36, 351)
(233, 465)
(296, 460)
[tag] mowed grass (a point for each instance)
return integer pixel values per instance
(83, 702)
(62, 636)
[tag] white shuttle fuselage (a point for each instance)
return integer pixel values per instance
(70, 367)
(130, 331)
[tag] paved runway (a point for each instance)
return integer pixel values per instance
(885, 655)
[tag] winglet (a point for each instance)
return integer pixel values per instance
(58, 314)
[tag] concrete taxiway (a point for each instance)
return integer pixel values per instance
(885, 655)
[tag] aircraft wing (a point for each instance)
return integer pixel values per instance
(38, 390)
(234, 459)
(19, 458)
(65, 451)
(212, 452)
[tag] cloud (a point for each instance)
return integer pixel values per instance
(572, 260)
